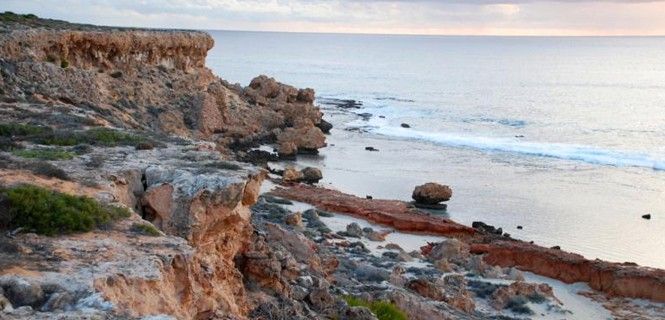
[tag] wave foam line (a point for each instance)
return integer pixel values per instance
(586, 154)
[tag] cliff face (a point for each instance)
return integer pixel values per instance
(154, 80)
(103, 51)
(72, 78)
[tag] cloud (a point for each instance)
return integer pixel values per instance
(538, 17)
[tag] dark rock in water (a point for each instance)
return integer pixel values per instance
(519, 136)
(519, 227)
(556, 248)
(431, 193)
(311, 175)
(439, 206)
(354, 230)
(325, 126)
(382, 117)
(259, 157)
(277, 200)
(507, 235)
(341, 103)
(371, 149)
(368, 197)
(647, 216)
(481, 226)
(405, 125)
(391, 255)
(365, 116)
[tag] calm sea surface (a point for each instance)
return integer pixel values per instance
(563, 136)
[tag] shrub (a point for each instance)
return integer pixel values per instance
(383, 310)
(7, 144)
(49, 213)
(96, 136)
(145, 229)
(64, 63)
(17, 129)
(44, 154)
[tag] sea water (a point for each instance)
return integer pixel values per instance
(564, 136)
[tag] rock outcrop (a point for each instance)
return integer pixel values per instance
(432, 193)
(152, 80)
(396, 214)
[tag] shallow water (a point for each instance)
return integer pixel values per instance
(578, 307)
(563, 136)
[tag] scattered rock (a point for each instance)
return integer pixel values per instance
(371, 149)
(294, 219)
(405, 125)
(311, 175)
(291, 174)
(325, 126)
(393, 246)
(432, 193)
(646, 216)
(368, 197)
(354, 230)
(481, 226)
(519, 227)
(22, 292)
(358, 313)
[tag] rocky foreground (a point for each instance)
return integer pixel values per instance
(134, 120)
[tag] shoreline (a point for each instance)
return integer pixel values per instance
(615, 279)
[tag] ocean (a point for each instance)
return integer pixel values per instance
(563, 136)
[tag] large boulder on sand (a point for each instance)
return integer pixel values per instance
(432, 193)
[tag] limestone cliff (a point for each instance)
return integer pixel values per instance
(152, 80)
(181, 124)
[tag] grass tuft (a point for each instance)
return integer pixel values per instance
(383, 310)
(145, 229)
(44, 154)
(50, 213)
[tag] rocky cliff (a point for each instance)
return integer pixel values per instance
(152, 80)
(133, 118)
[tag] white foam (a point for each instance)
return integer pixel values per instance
(588, 154)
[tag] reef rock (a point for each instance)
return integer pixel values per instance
(432, 193)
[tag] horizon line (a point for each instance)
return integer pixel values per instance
(433, 34)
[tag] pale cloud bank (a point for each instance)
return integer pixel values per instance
(471, 17)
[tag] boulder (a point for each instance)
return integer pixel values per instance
(291, 174)
(294, 219)
(354, 230)
(311, 175)
(451, 249)
(22, 292)
(432, 193)
(325, 126)
(358, 313)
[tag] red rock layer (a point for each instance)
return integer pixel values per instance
(615, 279)
(396, 214)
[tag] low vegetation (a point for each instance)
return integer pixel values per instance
(44, 154)
(145, 229)
(47, 212)
(383, 310)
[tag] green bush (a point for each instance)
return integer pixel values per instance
(145, 229)
(44, 154)
(49, 213)
(64, 63)
(383, 310)
(21, 130)
(96, 136)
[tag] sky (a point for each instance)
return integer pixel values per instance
(444, 17)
